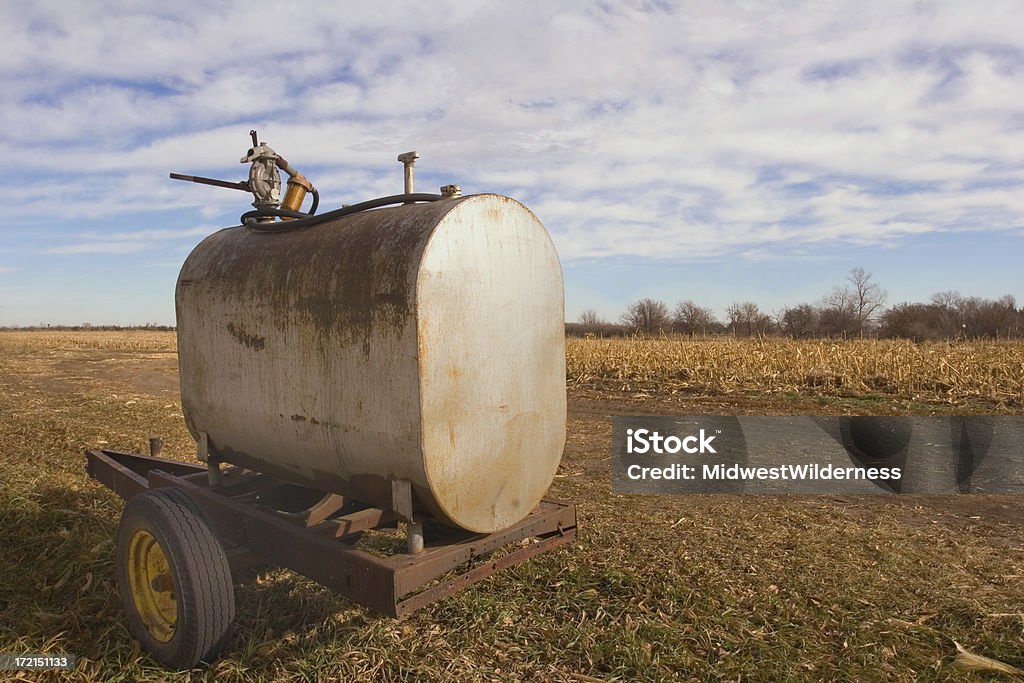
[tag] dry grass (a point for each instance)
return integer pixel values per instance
(15, 341)
(958, 371)
(655, 589)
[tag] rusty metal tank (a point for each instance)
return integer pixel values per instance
(423, 342)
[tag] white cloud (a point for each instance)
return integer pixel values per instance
(99, 247)
(153, 235)
(127, 242)
(630, 130)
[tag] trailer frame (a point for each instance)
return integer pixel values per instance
(319, 540)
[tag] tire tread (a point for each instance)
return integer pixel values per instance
(203, 578)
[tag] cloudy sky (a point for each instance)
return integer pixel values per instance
(713, 151)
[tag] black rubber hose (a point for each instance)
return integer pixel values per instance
(316, 200)
(304, 220)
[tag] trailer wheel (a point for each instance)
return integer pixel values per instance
(174, 579)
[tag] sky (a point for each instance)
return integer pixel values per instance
(713, 151)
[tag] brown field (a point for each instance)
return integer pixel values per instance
(950, 373)
(656, 588)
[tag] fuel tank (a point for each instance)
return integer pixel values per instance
(423, 342)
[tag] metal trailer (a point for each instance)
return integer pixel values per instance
(360, 369)
(188, 528)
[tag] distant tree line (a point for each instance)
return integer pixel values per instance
(153, 327)
(854, 309)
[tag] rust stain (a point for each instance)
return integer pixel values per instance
(253, 341)
(320, 423)
(345, 277)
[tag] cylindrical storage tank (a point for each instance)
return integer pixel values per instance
(423, 342)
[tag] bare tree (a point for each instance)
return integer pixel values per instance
(835, 314)
(647, 315)
(590, 318)
(947, 309)
(591, 324)
(868, 297)
(690, 318)
(947, 299)
(996, 318)
(799, 321)
(910, 321)
(747, 318)
(849, 310)
(950, 315)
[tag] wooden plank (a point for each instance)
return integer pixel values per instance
(354, 522)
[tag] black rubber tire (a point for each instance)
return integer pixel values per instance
(204, 592)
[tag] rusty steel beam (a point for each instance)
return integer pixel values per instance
(125, 473)
(240, 559)
(246, 484)
(119, 478)
(324, 552)
(454, 585)
(359, 576)
(411, 572)
(377, 583)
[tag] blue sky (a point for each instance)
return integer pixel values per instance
(711, 151)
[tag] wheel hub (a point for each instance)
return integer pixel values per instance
(152, 585)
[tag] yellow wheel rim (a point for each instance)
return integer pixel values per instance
(152, 586)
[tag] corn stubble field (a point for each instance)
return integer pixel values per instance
(655, 588)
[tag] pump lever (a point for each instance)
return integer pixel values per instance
(241, 185)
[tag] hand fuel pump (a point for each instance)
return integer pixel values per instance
(265, 183)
